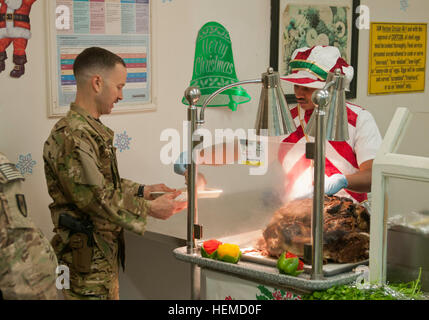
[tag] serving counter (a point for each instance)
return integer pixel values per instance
(246, 206)
(258, 278)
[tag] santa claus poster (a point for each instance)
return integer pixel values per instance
(15, 32)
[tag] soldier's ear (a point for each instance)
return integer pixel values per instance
(97, 83)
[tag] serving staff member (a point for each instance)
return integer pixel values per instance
(348, 163)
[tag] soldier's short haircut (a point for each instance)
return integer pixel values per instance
(95, 58)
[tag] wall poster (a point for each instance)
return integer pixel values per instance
(15, 32)
(121, 26)
(397, 57)
(306, 23)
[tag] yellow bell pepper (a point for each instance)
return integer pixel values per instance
(228, 252)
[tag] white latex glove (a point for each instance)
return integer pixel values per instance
(335, 183)
(180, 165)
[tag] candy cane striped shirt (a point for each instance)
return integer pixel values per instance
(341, 156)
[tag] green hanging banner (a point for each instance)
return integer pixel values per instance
(214, 68)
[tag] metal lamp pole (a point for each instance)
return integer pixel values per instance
(273, 114)
(328, 127)
(194, 230)
(321, 97)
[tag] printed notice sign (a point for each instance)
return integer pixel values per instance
(397, 59)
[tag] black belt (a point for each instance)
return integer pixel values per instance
(14, 17)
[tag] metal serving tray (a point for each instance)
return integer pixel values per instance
(246, 242)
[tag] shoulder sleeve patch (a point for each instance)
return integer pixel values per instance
(8, 172)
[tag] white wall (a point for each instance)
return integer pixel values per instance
(383, 107)
(24, 125)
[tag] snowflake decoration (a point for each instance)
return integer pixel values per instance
(164, 1)
(404, 5)
(25, 164)
(122, 141)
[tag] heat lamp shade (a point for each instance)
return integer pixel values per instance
(274, 117)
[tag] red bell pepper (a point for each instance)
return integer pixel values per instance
(300, 263)
(209, 248)
(289, 264)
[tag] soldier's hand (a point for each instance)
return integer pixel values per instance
(154, 188)
(165, 206)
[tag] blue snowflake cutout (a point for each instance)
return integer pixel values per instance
(164, 1)
(122, 141)
(404, 5)
(25, 164)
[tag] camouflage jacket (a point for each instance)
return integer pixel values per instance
(83, 180)
(27, 260)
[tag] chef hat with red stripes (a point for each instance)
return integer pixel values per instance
(310, 66)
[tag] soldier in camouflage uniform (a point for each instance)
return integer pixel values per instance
(83, 180)
(27, 261)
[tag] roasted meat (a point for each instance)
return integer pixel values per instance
(345, 225)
